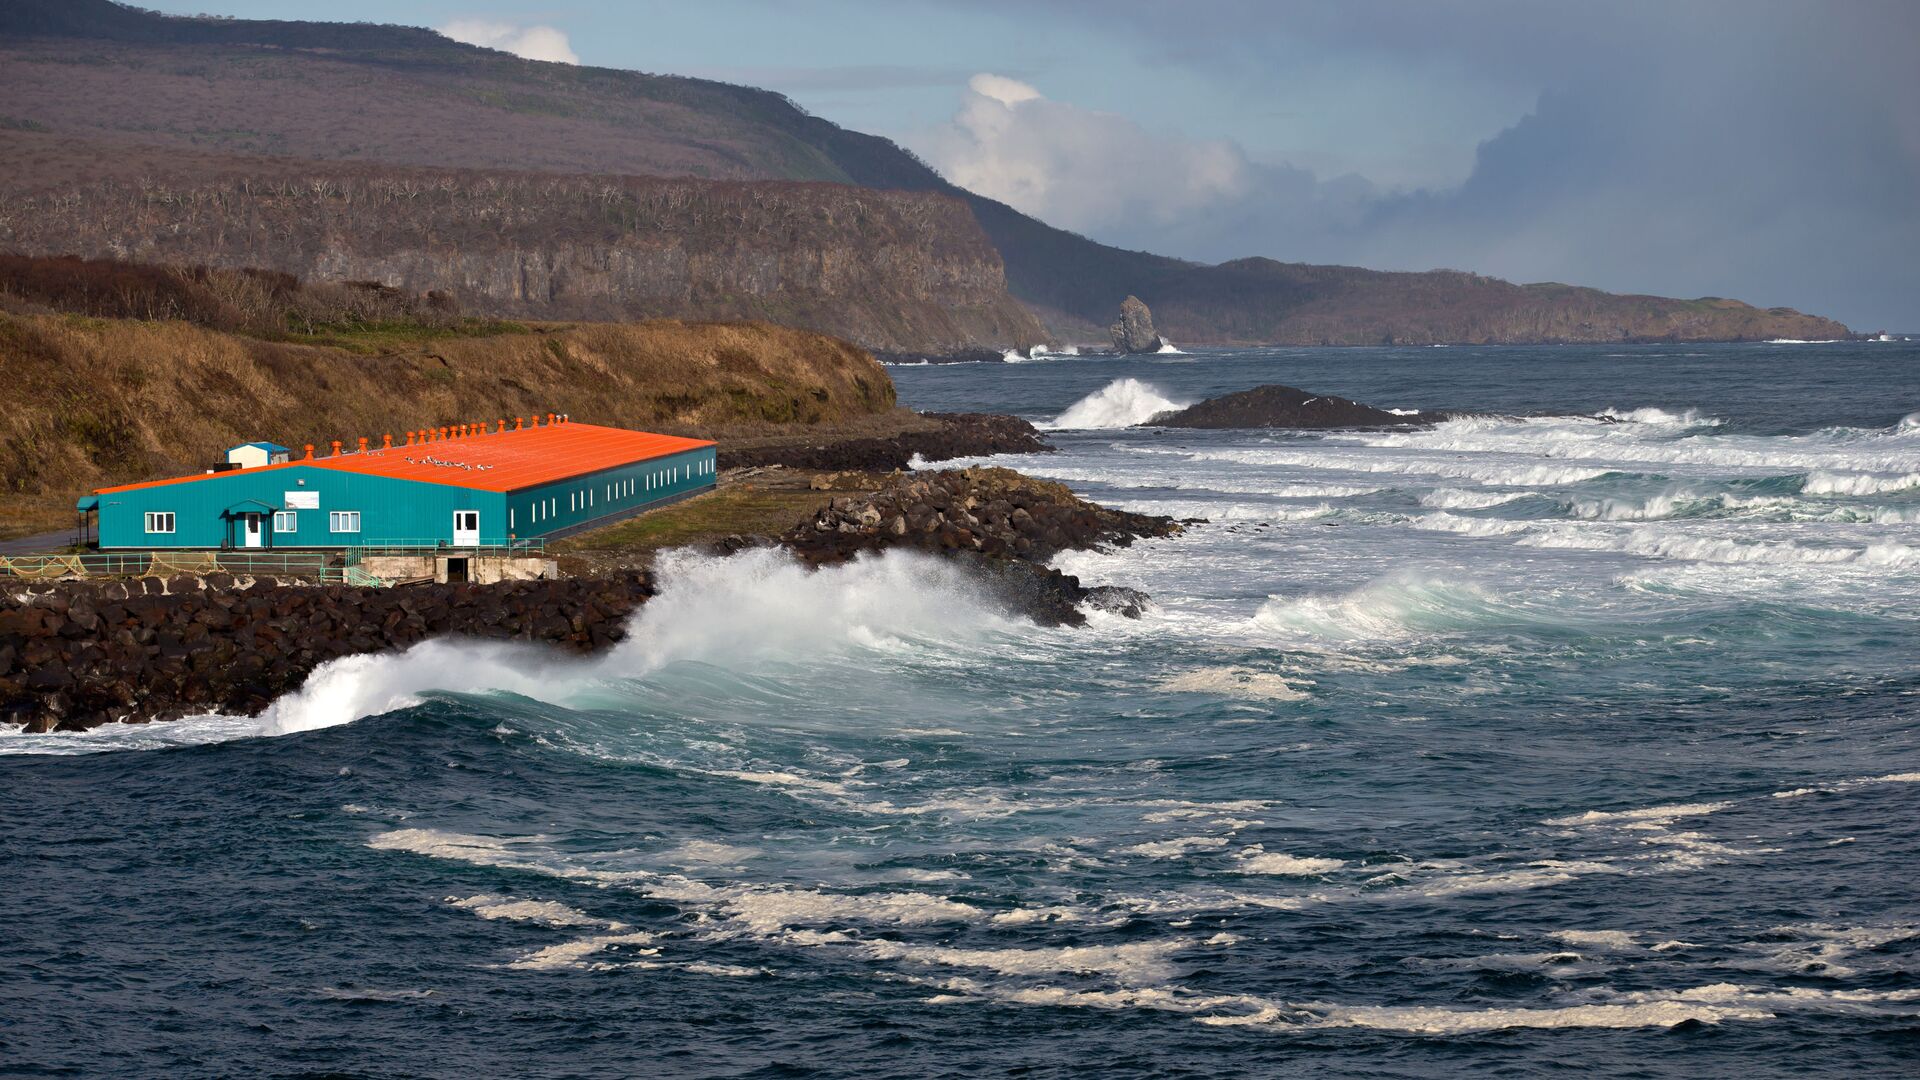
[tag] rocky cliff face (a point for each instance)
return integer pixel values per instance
(887, 270)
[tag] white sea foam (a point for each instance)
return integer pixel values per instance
(1596, 939)
(1177, 847)
(1827, 949)
(1392, 608)
(1657, 417)
(1234, 682)
(1640, 815)
(1654, 543)
(708, 853)
(575, 953)
(1710, 1004)
(1167, 349)
(1121, 403)
(1458, 499)
(1468, 526)
(1830, 483)
(1258, 860)
(1132, 963)
(543, 912)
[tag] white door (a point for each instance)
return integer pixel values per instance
(250, 530)
(466, 528)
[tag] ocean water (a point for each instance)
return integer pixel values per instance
(1578, 736)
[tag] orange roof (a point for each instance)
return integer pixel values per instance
(501, 461)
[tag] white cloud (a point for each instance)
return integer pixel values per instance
(527, 42)
(1103, 174)
(1077, 167)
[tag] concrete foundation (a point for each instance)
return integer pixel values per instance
(444, 567)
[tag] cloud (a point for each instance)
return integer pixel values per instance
(1765, 152)
(1104, 174)
(526, 42)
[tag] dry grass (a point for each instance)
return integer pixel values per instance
(93, 402)
(753, 503)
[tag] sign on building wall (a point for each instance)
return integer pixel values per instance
(303, 500)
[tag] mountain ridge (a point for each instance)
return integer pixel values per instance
(252, 88)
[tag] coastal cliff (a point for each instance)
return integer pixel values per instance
(886, 270)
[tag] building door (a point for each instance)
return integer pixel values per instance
(250, 530)
(466, 528)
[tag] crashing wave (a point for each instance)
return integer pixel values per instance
(1121, 403)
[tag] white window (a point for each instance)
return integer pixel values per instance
(286, 521)
(572, 503)
(510, 525)
(160, 521)
(344, 521)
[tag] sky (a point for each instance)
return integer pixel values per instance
(1767, 150)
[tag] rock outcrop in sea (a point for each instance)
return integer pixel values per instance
(1279, 406)
(1133, 332)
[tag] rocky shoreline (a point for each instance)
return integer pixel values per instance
(75, 655)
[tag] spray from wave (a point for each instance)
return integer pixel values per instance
(1121, 403)
(752, 611)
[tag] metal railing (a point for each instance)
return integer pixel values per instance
(316, 566)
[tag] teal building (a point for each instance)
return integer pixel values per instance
(462, 487)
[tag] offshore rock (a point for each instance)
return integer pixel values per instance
(1275, 406)
(1134, 333)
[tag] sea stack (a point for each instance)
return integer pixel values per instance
(1134, 333)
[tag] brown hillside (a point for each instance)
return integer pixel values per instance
(101, 401)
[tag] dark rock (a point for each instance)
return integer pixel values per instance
(958, 435)
(1286, 407)
(1133, 333)
(198, 648)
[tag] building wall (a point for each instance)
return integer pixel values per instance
(610, 494)
(252, 457)
(391, 511)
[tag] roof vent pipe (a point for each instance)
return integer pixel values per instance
(502, 430)
(519, 422)
(336, 448)
(549, 419)
(386, 440)
(363, 444)
(309, 451)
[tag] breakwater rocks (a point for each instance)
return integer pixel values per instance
(1286, 407)
(958, 435)
(74, 655)
(1006, 523)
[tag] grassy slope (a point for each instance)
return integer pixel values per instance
(99, 401)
